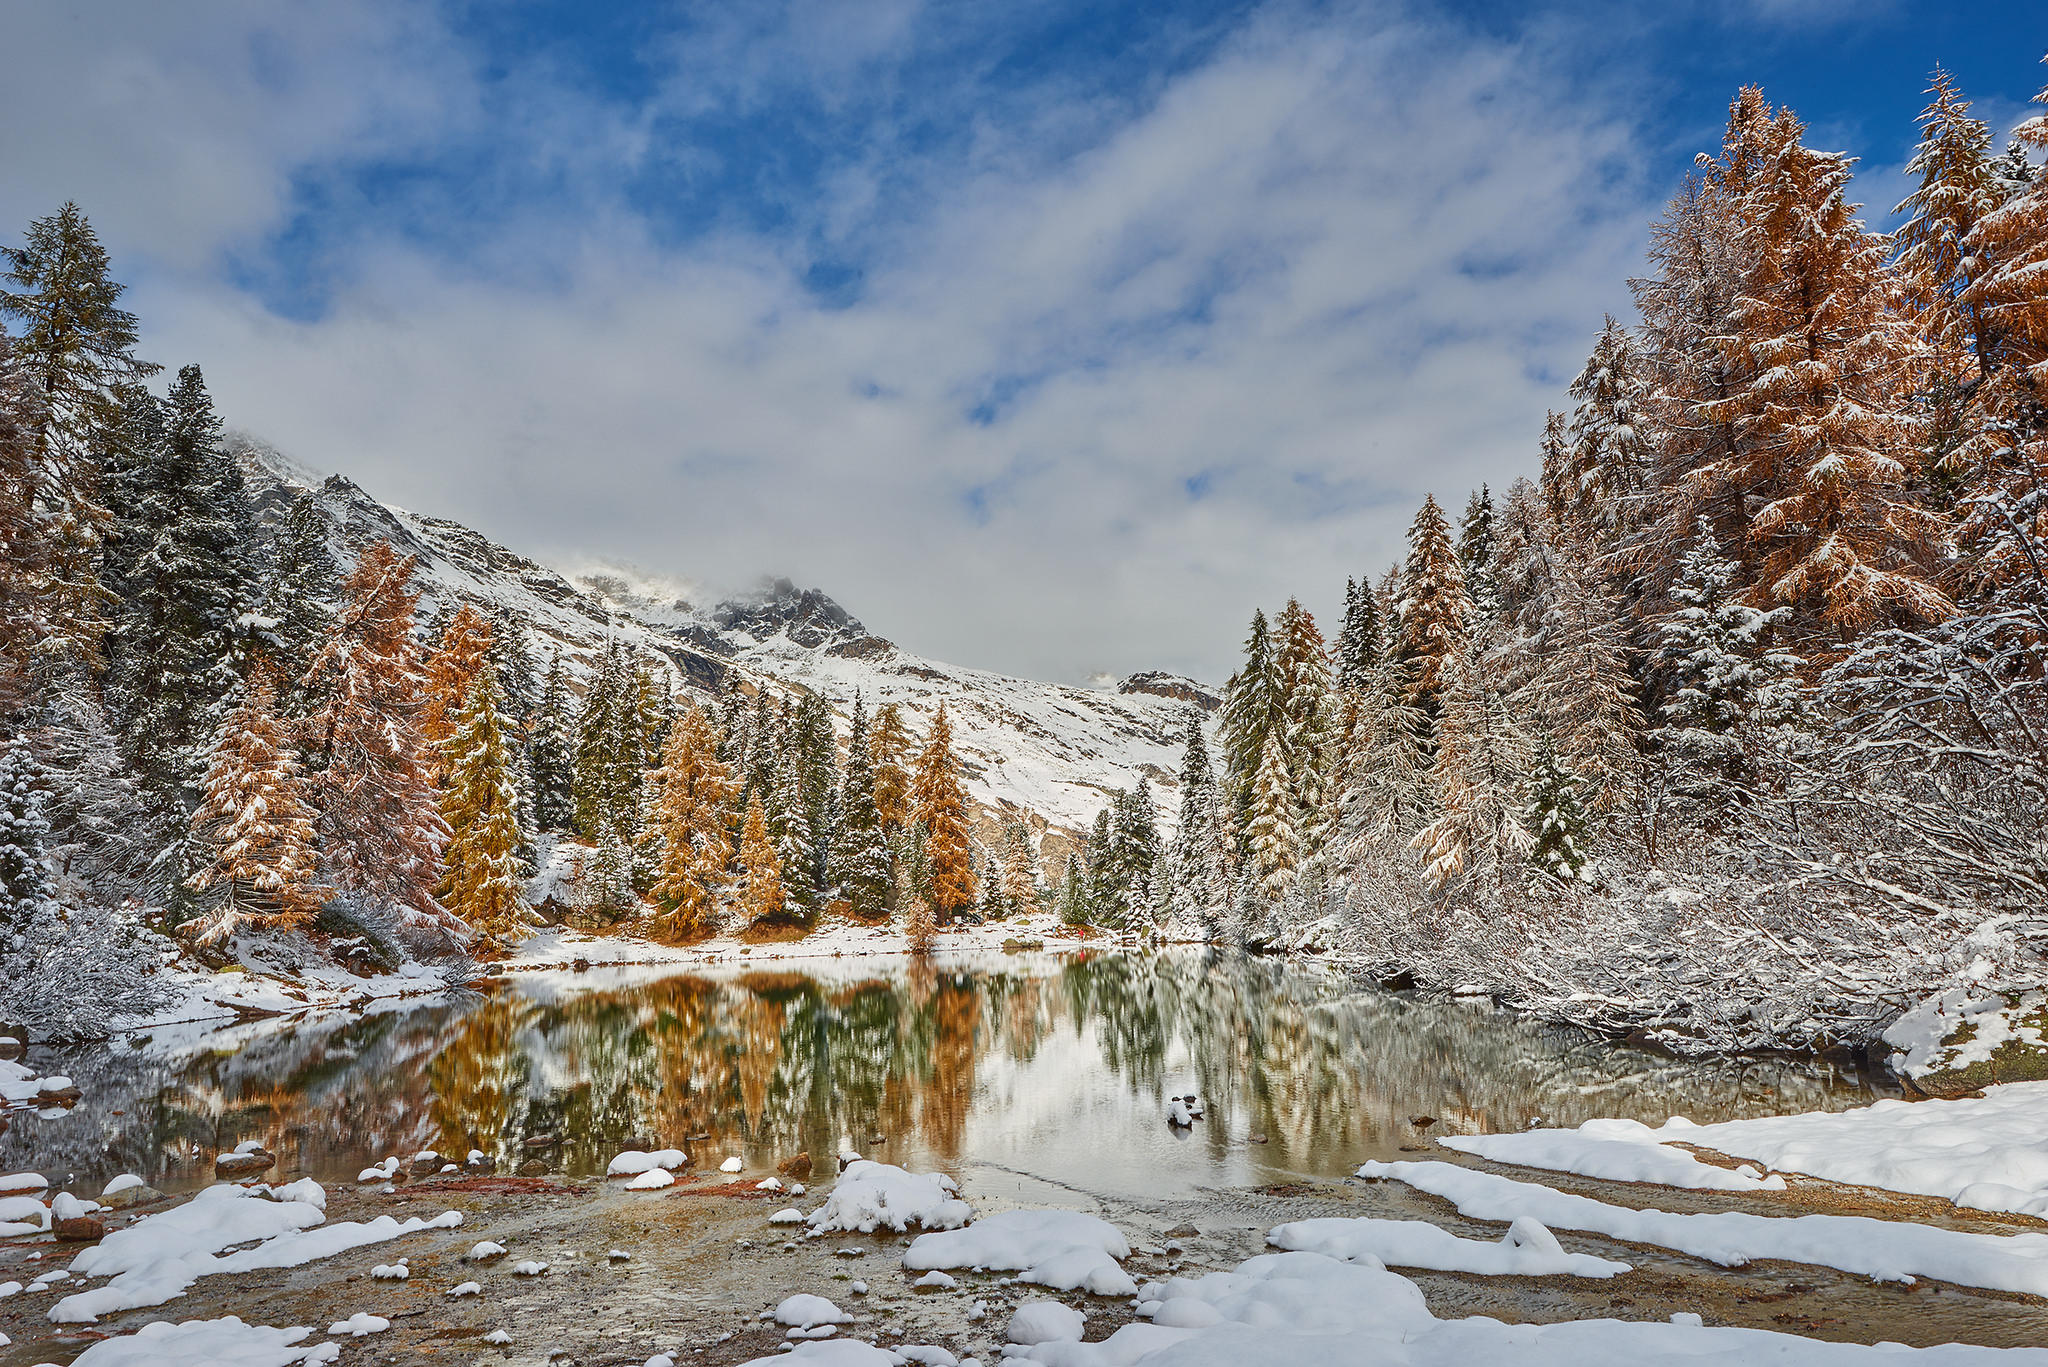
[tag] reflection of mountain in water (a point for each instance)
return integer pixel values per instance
(775, 1062)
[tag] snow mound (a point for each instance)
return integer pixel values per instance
(789, 1216)
(1045, 1322)
(359, 1324)
(634, 1161)
(833, 1353)
(1061, 1249)
(1528, 1249)
(1884, 1250)
(872, 1196)
(208, 1343)
(651, 1180)
(1619, 1150)
(124, 1182)
(465, 1289)
(937, 1281)
(806, 1311)
(732, 1164)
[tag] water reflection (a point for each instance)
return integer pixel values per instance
(1055, 1067)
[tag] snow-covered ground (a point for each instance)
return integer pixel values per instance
(1988, 1153)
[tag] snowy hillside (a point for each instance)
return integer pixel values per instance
(1046, 749)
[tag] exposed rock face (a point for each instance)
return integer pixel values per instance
(809, 617)
(1998, 1037)
(1178, 687)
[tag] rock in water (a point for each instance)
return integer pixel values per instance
(244, 1164)
(798, 1167)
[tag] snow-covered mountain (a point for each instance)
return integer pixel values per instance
(1043, 750)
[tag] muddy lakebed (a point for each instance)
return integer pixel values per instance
(1034, 1079)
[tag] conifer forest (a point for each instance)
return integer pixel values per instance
(1666, 826)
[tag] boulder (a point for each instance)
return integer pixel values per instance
(243, 1164)
(79, 1229)
(1964, 1041)
(798, 1167)
(533, 1167)
(131, 1196)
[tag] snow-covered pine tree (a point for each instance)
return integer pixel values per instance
(1193, 900)
(1434, 610)
(1358, 641)
(550, 756)
(761, 899)
(379, 823)
(610, 750)
(513, 661)
(796, 846)
(1722, 679)
(27, 892)
(1275, 844)
(1073, 895)
(1251, 708)
(1556, 481)
(1610, 442)
(817, 753)
(452, 668)
(609, 892)
(257, 867)
(862, 865)
(1958, 186)
(1386, 775)
(1020, 868)
(1475, 549)
(76, 349)
(1134, 839)
(98, 824)
(482, 881)
(694, 794)
(941, 809)
(1099, 896)
(1308, 721)
(298, 602)
(889, 745)
(189, 587)
(1556, 820)
(991, 876)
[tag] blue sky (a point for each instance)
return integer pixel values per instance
(1049, 336)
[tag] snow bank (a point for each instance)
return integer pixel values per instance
(1312, 1311)
(207, 1343)
(1062, 1249)
(832, 1353)
(871, 1196)
(1989, 1153)
(157, 1259)
(1618, 1150)
(1925, 1039)
(1883, 1250)
(1526, 1250)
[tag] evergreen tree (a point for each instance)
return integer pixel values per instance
(253, 830)
(1434, 610)
(482, 882)
(298, 601)
(1307, 719)
(1723, 678)
(27, 892)
(551, 760)
(1556, 820)
(1251, 709)
(190, 586)
(1073, 899)
(1610, 444)
(694, 793)
(796, 844)
(610, 894)
(1020, 868)
(941, 809)
(1358, 642)
(379, 823)
(76, 351)
(1134, 845)
(513, 662)
(1479, 771)
(862, 864)
(761, 899)
(1475, 549)
(1099, 869)
(610, 751)
(1275, 843)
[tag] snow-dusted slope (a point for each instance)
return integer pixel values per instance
(1045, 749)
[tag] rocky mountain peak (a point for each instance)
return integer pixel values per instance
(808, 616)
(1179, 687)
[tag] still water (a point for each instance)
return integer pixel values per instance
(1034, 1070)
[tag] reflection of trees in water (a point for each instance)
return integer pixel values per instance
(784, 1061)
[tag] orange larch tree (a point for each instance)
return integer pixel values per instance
(761, 899)
(254, 828)
(451, 668)
(692, 808)
(941, 809)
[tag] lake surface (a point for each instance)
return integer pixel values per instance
(1034, 1070)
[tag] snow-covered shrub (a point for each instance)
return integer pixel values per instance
(78, 968)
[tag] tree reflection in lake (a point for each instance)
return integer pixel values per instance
(1056, 1067)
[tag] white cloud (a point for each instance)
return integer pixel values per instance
(1340, 263)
